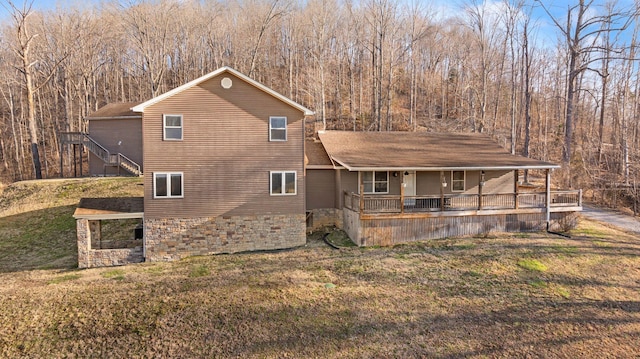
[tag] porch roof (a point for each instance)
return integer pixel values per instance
(110, 208)
(425, 151)
(118, 110)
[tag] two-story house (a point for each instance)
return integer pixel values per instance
(224, 165)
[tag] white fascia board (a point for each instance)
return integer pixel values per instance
(113, 118)
(142, 106)
(96, 217)
(491, 168)
(320, 167)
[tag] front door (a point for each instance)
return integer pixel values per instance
(409, 188)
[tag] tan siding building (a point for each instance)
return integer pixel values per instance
(225, 158)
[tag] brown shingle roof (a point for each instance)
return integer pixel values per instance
(315, 155)
(115, 110)
(421, 151)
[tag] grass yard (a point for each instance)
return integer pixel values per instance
(516, 295)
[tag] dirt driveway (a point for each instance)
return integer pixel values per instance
(612, 218)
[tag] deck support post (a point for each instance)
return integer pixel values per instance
(338, 183)
(75, 161)
(61, 157)
(548, 197)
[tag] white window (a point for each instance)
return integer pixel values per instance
(168, 185)
(172, 127)
(277, 128)
(375, 181)
(457, 181)
(283, 183)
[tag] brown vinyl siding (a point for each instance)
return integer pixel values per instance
(495, 182)
(321, 189)
(225, 153)
(428, 183)
(108, 133)
(349, 181)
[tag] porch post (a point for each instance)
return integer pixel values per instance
(515, 189)
(548, 197)
(480, 185)
(402, 193)
(441, 191)
(361, 198)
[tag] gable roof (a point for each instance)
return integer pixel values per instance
(142, 106)
(367, 151)
(315, 156)
(121, 110)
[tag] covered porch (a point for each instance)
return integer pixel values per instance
(560, 201)
(417, 192)
(398, 187)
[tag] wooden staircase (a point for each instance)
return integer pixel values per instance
(110, 159)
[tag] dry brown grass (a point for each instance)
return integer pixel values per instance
(37, 230)
(445, 298)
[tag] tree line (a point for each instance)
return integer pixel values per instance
(362, 65)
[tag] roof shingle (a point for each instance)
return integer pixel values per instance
(115, 110)
(421, 151)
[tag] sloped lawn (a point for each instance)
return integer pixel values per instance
(529, 295)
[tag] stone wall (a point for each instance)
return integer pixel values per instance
(115, 257)
(174, 238)
(323, 217)
(84, 242)
(90, 258)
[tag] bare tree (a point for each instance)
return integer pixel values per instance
(22, 47)
(582, 32)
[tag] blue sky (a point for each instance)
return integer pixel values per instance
(546, 30)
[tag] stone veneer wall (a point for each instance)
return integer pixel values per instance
(115, 257)
(323, 217)
(90, 258)
(175, 238)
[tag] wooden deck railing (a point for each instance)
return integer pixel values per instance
(371, 204)
(113, 159)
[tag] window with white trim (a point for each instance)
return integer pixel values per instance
(168, 185)
(375, 181)
(172, 127)
(457, 181)
(283, 183)
(277, 128)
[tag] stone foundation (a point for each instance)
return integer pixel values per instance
(174, 238)
(90, 258)
(323, 217)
